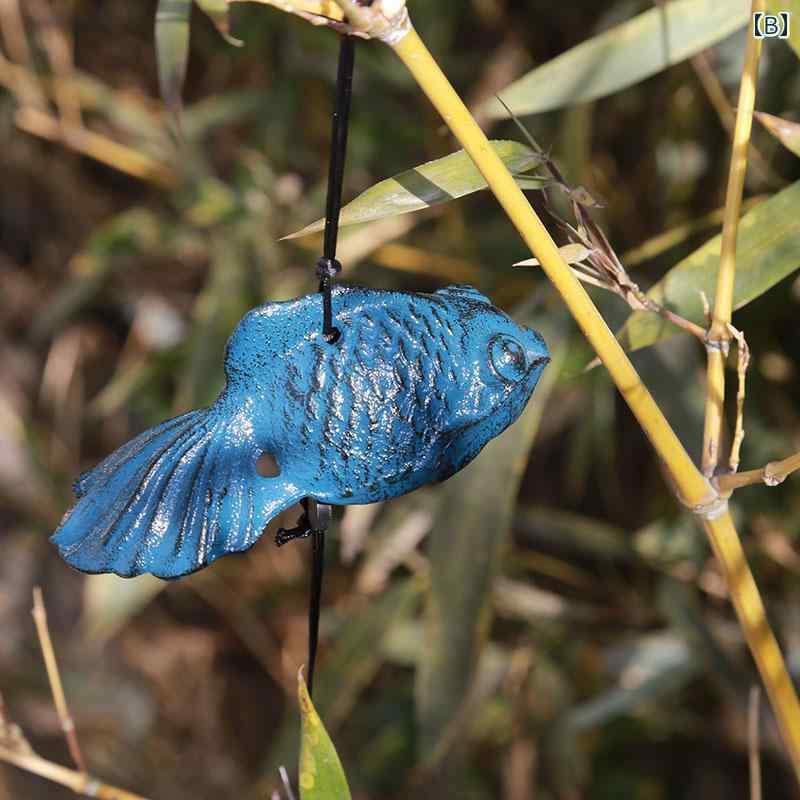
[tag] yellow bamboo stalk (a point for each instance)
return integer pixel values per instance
(753, 620)
(719, 335)
(694, 489)
(692, 486)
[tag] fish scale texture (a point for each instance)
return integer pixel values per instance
(411, 392)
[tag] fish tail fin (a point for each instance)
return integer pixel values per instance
(173, 499)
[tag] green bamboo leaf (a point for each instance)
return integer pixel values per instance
(767, 250)
(793, 7)
(427, 185)
(786, 132)
(321, 773)
(217, 11)
(172, 48)
(624, 55)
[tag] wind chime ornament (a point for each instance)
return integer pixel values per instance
(404, 390)
(409, 394)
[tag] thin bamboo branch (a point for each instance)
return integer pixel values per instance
(772, 474)
(692, 487)
(78, 782)
(719, 335)
(53, 675)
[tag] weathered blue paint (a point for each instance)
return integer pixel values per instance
(414, 388)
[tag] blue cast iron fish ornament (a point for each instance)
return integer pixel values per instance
(410, 393)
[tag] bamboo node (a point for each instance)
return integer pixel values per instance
(717, 345)
(772, 478)
(386, 20)
(711, 508)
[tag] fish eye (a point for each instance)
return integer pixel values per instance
(507, 358)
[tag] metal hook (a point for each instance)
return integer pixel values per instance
(316, 518)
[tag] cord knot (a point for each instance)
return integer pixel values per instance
(328, 268)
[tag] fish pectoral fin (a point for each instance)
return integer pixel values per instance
(455, 422)
(172, 500)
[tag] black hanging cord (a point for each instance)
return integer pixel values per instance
(315, 601)
(327, 269)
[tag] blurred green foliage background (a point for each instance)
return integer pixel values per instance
(546, 625)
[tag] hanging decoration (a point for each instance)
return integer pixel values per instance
(411, 391)
(359, 395)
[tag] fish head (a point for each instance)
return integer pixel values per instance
(505, 360)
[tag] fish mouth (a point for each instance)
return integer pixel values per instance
(536, 350)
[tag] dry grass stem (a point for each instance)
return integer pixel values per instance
(14, 747)
(753, 742)
(54, 677)
(743, 362)
(590, 255)
(100, 148)
(57, 42)
(79, 782)
(15, 40)
(31, 93)
(11, 735)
